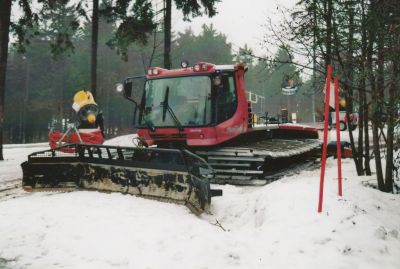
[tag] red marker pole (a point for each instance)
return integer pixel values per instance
(325, 145)
(338, 146)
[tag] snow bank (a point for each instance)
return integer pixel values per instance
(281, 227)
(14, 155)
(124, 140)
(274, 226)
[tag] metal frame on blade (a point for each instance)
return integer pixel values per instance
(149, 158)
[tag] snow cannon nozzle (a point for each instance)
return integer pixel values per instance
(91, 118)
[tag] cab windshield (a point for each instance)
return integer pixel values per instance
(189, 99)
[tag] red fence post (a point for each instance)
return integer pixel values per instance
(338, 146)
(324, 146)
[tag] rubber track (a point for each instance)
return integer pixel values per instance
(257, 163)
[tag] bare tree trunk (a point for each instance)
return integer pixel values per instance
(379, 97)
(376, 150)
(375, 88)
(390, 125)
(367, 158)
(314, 48)
(5, 13)
(61, 87)
(394, 56)
(95, 33)
(328, 21)
(362, 100)
(360, 146)
(349, 92)
(20, 125)
(26, 100)
(167, 34)
(350, 56)
(347, 67)
(363, 92)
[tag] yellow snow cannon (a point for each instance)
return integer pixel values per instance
(89, 128)
(86, 108)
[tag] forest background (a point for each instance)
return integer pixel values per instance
(40, 84)
(64, 45)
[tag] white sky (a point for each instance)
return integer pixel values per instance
(241, 21)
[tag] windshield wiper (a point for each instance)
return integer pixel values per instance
(166, 108)
(149, 124)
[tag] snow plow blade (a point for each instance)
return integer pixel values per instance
(169, 175)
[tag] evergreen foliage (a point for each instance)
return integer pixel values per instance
(360, 38)
(136, 23)
(190, 8)
(46, 84)
(208, 46)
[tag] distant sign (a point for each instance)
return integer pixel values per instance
(289, 91)
(289, 88)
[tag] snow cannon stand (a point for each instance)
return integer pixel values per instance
(59, 140)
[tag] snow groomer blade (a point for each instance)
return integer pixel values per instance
(168, 175)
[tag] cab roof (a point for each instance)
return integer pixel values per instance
(196, 69)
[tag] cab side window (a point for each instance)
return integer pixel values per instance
(226, 98)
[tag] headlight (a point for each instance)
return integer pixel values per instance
(119, 87)
(184, 64)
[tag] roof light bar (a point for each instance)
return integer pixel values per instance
(153, 71)
(184, 64)
(202, 67)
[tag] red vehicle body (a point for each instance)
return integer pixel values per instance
(207, 135)
(214, 132)
(204, 108)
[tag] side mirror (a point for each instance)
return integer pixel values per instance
(132, 89)
(127, 89)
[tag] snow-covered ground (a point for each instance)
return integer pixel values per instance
(14, 155)
(274, 226)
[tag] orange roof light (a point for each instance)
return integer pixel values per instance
(154, 71)
(202, 67)
(184, 64)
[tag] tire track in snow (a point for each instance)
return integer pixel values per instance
(11, 189)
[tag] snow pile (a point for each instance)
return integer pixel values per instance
(14, 155)
(123, 140)
(274, 226)
(280, 220)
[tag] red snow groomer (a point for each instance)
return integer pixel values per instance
(204, 108)
(202, 124)
(89, 129)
